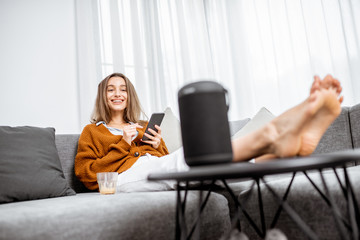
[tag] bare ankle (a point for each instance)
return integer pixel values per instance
(267, 138)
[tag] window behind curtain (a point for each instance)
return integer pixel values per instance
(264, 52)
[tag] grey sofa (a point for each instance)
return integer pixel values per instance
(151, 215)
(89, 215)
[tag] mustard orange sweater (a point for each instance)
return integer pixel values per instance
(101, 151)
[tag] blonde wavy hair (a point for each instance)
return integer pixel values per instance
(133, 111)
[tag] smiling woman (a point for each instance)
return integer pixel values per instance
(114, 93)
(113, 141)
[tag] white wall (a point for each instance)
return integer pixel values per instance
(38, 67)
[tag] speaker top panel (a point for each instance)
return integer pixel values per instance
(200, 87)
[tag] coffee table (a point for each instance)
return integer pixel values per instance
(225, 172)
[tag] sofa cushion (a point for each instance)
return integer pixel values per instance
(145, 215)
(337, 137)
(354, 115)
(29, 165)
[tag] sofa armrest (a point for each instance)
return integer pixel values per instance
(354, 115)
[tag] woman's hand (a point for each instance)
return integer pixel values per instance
(129, 132)
(155, 138)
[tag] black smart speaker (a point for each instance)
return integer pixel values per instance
(204, 123)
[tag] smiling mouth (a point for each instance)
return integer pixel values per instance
(117, 101)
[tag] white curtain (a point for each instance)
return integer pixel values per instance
(265, 52)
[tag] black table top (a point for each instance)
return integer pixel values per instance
(254, 170)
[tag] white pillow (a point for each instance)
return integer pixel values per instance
(262, 117)
(171, 131)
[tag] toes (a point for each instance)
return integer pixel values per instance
(316, 84)
(327, 81)
(341, 99)
(330, 82)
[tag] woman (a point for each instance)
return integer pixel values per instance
(112, 142)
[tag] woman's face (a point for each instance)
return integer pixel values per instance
(116, 94)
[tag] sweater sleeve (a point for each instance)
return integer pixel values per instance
(92, 158)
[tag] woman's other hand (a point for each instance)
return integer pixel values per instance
(155, 138)
(129, 132)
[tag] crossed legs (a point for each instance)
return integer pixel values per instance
(297, 131)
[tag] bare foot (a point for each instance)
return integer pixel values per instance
(279, 138)
(300, 129)
(296, 131)
(327, 83)
(328, 111)
(331, 89)
(314, 117)
(288, 129)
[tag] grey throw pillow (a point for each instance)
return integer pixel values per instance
(29, 165)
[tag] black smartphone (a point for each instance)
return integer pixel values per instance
(155, 119)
